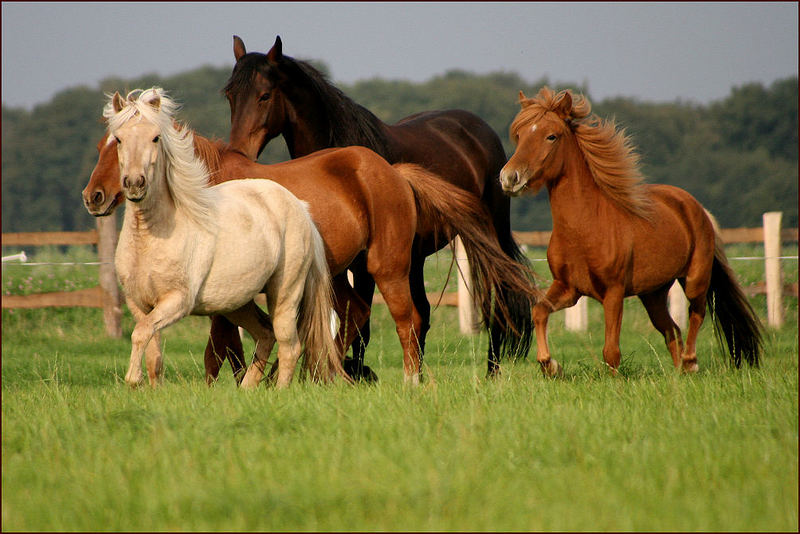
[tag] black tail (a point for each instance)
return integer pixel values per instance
(516, 342)
(502, 283)
(734, 318)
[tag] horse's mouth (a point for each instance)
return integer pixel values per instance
(109, 208)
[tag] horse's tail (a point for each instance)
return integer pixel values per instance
(734, 318)
(453, 211)
(519, 304)
(322, 356)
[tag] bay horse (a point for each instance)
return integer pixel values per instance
(187, 248)
(273, 94)
(615, 236)
(363, 207)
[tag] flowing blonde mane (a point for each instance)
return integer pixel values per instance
(187, 176)
(609, 153)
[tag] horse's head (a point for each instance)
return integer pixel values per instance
(102, 194)
(138, 137)
(541, 131)
(257, 104)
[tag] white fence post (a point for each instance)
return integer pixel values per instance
(468, 320)
(576, 318)
(112, 297)
(678, 305)
(772, 267)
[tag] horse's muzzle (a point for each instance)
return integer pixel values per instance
(512, 181)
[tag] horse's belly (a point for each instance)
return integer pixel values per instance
(235, 280)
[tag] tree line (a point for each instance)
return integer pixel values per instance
(737, 156)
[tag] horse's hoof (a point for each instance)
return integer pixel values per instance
(552, 369)
(368, 375)
(358, 371)
(689, 366)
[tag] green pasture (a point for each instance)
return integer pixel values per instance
(649, 449)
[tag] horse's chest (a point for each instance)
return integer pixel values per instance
(146, 275)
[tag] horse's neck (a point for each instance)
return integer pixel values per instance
(315, 127)
(302, 138)
(575, 198)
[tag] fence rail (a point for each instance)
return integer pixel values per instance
(106, 294)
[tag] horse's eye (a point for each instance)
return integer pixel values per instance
(264, 97)
(156, 138)
(117, 140)
(551, 137)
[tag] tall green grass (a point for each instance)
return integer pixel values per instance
(646, 450)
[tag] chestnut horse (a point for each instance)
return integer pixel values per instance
(365, 209)
(615, 236)
(273, 94)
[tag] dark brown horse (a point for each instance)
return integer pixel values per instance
(364, 208)
(273, 94)
(615, 236)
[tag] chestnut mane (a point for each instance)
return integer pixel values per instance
(610, 155)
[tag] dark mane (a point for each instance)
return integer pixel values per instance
(345, 122)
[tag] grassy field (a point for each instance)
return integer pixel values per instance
(646, 450)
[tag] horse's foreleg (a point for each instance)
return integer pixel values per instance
(258, 324)
(658, 310)
(612, 310)
(169, 309)
(558, 297)
(154, 360)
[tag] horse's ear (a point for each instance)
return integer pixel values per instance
(238, 47)
(155, 102)
(275, 53)
(117, 102)
(564, 107)
(523, 100)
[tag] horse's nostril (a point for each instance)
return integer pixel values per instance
(98, 197)
(125, 181)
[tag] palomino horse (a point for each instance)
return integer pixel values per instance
(615, 236)
(363, 207)
(187, 248)
(272, 94)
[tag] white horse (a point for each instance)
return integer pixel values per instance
(187, 248)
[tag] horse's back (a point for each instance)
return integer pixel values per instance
(455, 144)
(679, 237)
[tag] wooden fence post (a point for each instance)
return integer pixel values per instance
(772, 267)
(112, 298)
(468, 320)
(678, 305)
(576, 318)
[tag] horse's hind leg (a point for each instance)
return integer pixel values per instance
(223, 342)
(658, 310)
(396, 292)
(420, 298)
(559, 296)
(354, 312)
(697, 313)
(258, 324)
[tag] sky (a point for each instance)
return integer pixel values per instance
(658, 52)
